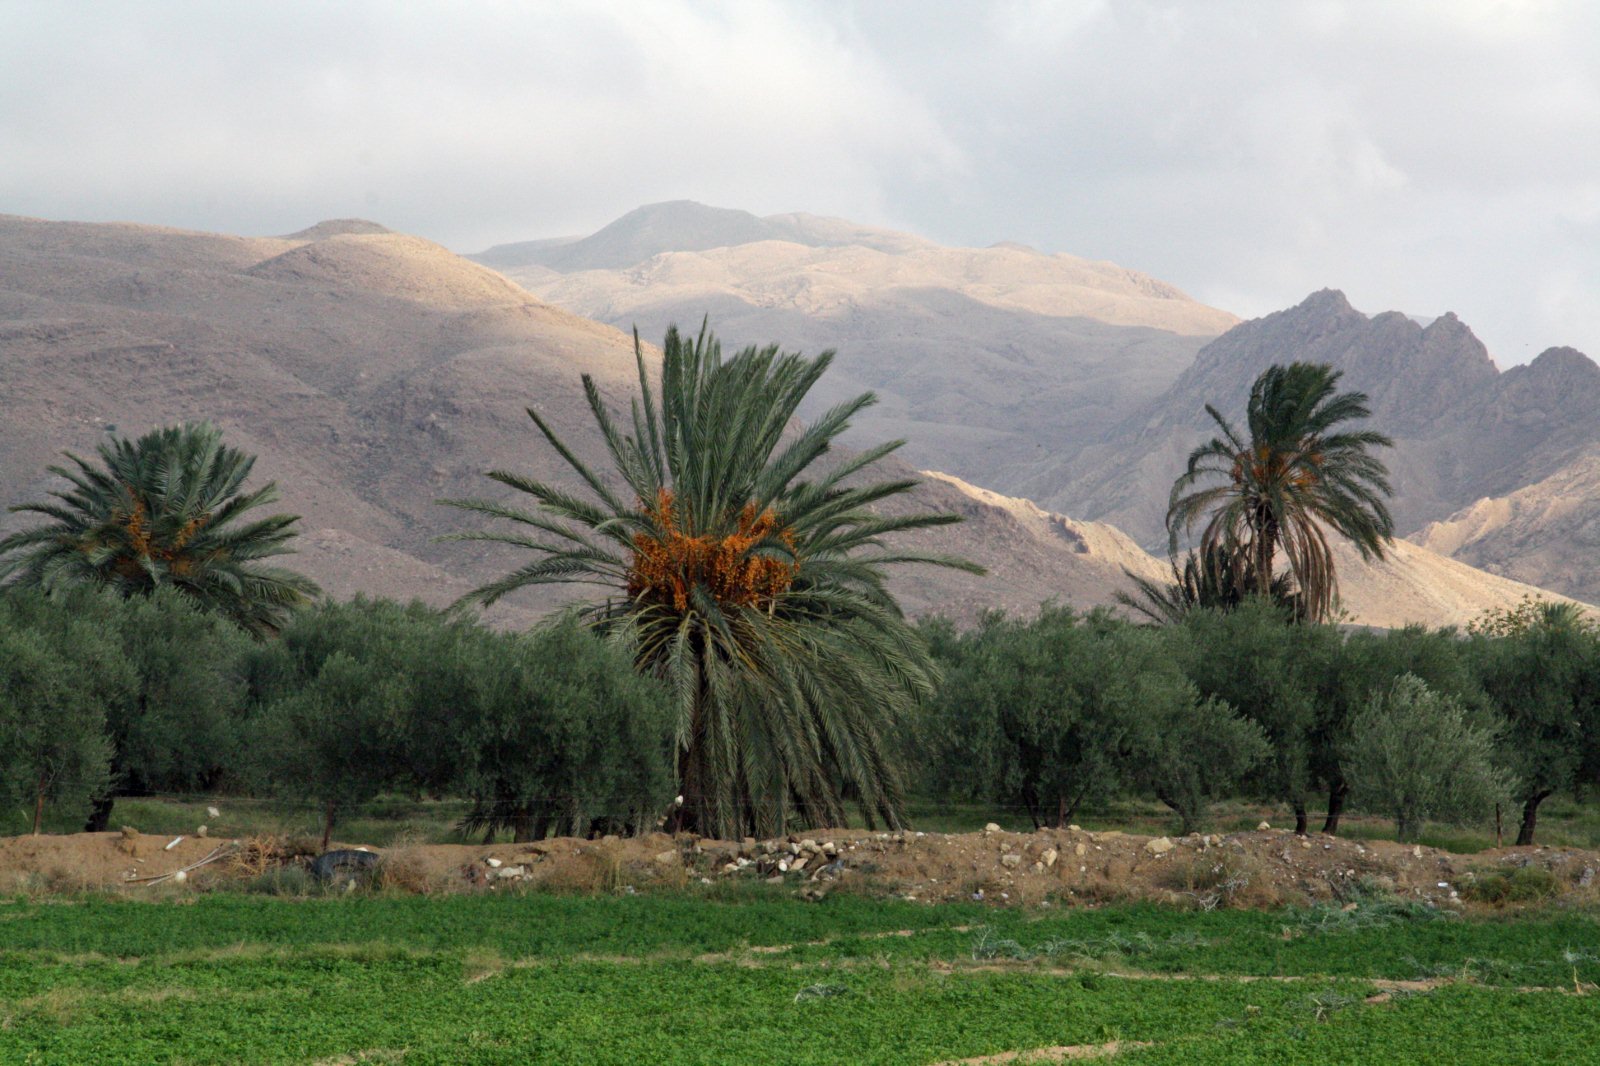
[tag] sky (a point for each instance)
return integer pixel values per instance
(1420, 156)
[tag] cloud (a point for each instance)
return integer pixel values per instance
(1426, 156)
(469, 124)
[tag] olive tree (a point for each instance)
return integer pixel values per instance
(1413, 753)
(57, 674)
(562, 735)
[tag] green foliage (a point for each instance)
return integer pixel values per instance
(548, 731)
(1033, 714)
(1252, 659)
(1295, 473)
(1542, 677)
(1191, 751)
(1047, 713)
(748, 576)
(166, 510)
(1413, 753)
(1207, 581)
(58, 673)
(564, 737)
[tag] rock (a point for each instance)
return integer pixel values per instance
(731, 868)
(332, 864)
(1586, 878)
(1010, 860)
(667, 858)
(212, 812)
(1074, 829)
(1263, 827)
(1049, 856)
(1158, 846)
(510, 873)
(800, 863)
(1080, 850)
(202, 831)
(808, 845)
(180, 876)
(494, 864)
(830, 849)
(1416, 852)
(992, 827)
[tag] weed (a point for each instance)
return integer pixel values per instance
(1529, 884)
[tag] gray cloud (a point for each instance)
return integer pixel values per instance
(1426, 156)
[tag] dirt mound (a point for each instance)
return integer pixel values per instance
(1265, 868)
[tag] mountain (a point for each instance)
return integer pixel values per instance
(686, 226)
(373, 372)
(983, 359)
(1467, 436)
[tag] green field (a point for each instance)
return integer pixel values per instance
(743, 976)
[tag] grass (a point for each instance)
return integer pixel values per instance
(1563, 822)
(742, 976)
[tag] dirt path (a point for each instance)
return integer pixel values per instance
(1263, 868)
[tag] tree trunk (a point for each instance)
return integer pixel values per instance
(327, 826)
(1299, 818)
(1406, 827)
(1336, 795)
(38, 804)
(100, 814)
(522, 826)
(1530, 817)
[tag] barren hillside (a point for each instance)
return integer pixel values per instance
(374, 372)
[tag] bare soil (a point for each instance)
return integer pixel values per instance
(1263, 868)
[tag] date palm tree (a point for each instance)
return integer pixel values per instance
(748, 575)
(1205, 581)
(166, 510)
(1295, 476)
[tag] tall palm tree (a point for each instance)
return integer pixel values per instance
(1296, 475)
(746, 574)
(168, 509)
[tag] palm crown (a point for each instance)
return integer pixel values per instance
(168, 509)
(751, 582)
(1296, 473)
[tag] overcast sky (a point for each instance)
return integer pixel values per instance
(1420, 156)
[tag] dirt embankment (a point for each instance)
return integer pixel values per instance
(1264, 868)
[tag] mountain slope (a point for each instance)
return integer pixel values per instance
(1463, 430)
(983, 359)
(374, 372)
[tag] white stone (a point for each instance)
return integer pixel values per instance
(1049, 856)
(1158, 846)
(494, 863)
(212, 812)
(1010, 861)
(992, 827)
(1264, 826)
